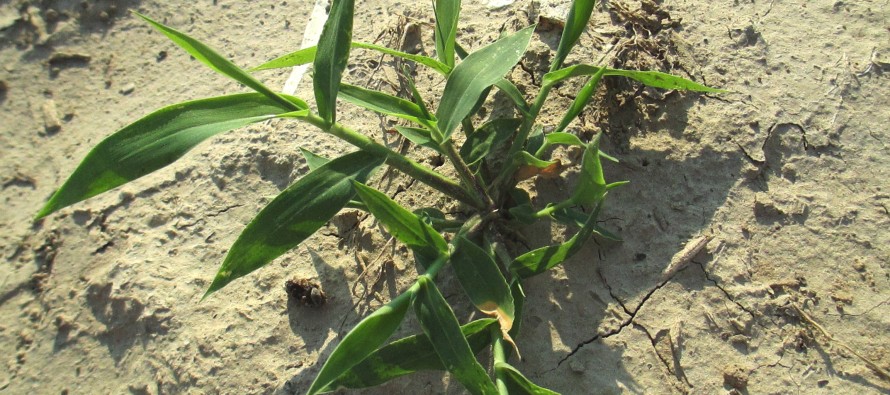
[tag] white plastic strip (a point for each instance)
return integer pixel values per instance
(499, 3)
(310, 38)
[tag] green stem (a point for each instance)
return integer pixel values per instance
(540, 152)
(546, 211)
(501, 182)
(394, 159)
(435, 267)
(466, 175)
(499, 356)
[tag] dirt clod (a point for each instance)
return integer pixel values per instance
(735, 376)
(305, 292)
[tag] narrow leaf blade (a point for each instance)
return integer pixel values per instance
(447, 15)
(296, 58)
(420, 137)
(440, 325)
(542, 259)
(576, 22)
(331, 57)
(406, 227)
(294, 215)
(655, 79)
(312, 160)
(307, 55)
(158, 140)
(581, 100)
(409, 355)
(215, 61)
(383, 103)
(476, 74)
(512, 92)
(362, 340)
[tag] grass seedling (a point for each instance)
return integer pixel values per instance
(488, 165)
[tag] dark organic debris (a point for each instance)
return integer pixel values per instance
(305, 292)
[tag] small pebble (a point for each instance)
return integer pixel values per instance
(51, 121)
(576, 366)
(128, 89)
(51, 15)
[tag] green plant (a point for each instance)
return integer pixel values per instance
(486, 164)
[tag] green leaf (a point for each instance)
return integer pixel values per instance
(331, 58)
(488, 139)
(212, 59)
(542, 259)
(512, 92)
(570, 216)
(527, 159)
(307, 55)
(591, 182)
(294, 215)
(518, 304)
(654, 79)
(415, 94)
(447, 15)
(475, 74)
(535, 139)
(564, 139)
(517, 384)
(297, 58)
(427, 244)
(312, 160)
(158, 140)
(522, 209)
(576, 22)
(580, 100)
(440, 325)
(383, 103)
(483, 282)
(530, 166)
(420, 137)
(362, 340)
(661, 80)
(406, 356)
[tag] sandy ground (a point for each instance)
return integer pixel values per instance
(787, 173)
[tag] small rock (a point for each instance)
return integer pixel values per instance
(857, 264)
(128, 89)
(735, 376)
(576, 366)
(51, 122)
(51, 15)
(765, 207)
